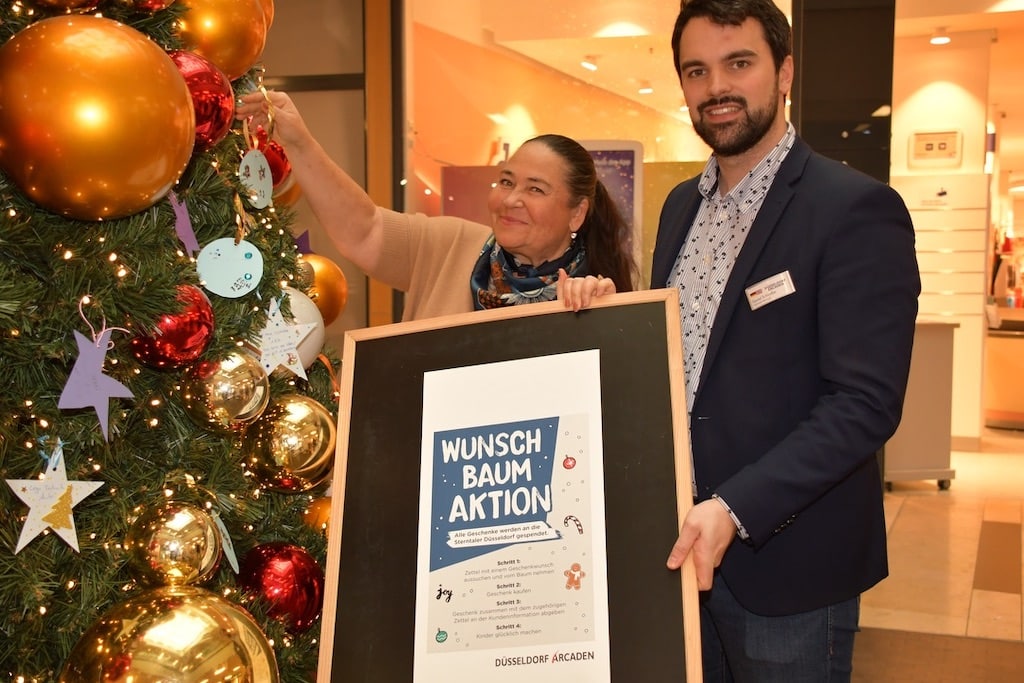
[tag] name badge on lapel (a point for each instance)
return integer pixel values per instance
(769, 289)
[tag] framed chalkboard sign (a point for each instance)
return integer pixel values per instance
(506, 490)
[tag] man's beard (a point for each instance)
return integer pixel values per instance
(736, 137)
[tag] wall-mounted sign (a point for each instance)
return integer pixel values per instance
(620, 167)
(936, 149)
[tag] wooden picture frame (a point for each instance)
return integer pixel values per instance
(369, 623)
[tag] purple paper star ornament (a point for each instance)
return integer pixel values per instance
(183, 225)
(87, 385)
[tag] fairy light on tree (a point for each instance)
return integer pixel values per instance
(106, 318)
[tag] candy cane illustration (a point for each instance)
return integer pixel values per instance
(575, 520)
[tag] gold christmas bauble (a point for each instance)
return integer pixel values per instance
(268, 11)
(229, 33)
(96, 121)
(172, 544)
(290, 448)
(227, 395)
(328, 285)
(175, 634)
(318, 514)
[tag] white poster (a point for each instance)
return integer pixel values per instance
(512, 580)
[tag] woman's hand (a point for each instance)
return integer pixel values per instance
(578, 292)
(275, 112)
(348, 215)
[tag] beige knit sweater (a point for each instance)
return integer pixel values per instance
(431, 259)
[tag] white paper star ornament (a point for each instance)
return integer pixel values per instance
(279, 342)
(51, 499)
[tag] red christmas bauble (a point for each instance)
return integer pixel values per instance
(280, 167)
(288, 579)
(212, 97)
(180, 338)
(68, 5)
(153, 5)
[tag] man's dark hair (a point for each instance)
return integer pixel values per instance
(773, 22)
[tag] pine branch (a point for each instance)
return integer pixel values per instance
(59, 276)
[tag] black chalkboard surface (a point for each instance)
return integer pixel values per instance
(368, 618)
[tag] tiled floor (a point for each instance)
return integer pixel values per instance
(955, 558)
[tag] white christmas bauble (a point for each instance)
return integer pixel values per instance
(305, 312)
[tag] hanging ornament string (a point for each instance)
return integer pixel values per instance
(97, 336)
(44, 442)
(251, 137)
(244, 223)
(86, 385)
(330, 371)
(270, 109)
(260, 71)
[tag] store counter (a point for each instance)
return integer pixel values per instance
(921, 446)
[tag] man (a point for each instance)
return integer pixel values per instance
(798, 290)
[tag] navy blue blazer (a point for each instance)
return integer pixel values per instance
(796, 398)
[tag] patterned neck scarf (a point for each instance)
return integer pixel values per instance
(498, 280)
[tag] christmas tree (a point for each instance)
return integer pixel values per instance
(166, 430)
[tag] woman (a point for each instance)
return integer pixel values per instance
(555, 230)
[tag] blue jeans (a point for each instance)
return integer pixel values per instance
(741, 647)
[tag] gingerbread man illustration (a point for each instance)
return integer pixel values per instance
(574, 576)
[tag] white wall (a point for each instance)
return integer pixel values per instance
(316, 37)
(946, 89)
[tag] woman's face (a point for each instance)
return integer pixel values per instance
(530, 205)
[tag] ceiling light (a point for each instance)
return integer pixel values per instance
(622, 29)
(645, 88)
(940, 37)
(589, 63)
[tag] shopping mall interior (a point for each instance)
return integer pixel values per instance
(954, 572)
(955, 538)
